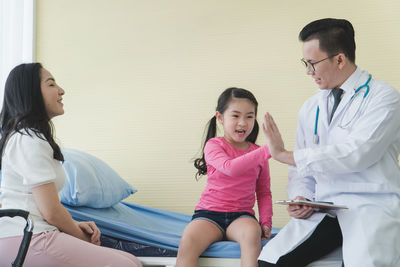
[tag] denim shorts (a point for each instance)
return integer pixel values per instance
(221, 219)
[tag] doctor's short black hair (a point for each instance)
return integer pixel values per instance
(334, 35)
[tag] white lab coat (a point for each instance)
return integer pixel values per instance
(357, 167)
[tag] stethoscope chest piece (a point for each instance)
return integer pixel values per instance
(316, 139)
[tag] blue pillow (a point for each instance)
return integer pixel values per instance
(91, 182)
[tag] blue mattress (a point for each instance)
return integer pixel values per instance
(144, 227)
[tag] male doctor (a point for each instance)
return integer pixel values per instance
(347, 149)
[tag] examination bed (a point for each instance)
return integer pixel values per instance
(153, 235)
(93, 192)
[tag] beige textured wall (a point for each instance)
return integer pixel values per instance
(142, 77)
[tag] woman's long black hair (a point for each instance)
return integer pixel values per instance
(24, 109)
(223, 102)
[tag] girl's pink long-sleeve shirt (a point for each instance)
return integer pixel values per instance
(235, 178)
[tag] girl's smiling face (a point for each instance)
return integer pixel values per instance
(238, 121)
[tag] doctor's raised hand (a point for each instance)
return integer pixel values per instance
(275, 143)
(278, 152)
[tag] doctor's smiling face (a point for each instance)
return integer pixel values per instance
(323, 68)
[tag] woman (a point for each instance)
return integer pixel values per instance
(32, 175)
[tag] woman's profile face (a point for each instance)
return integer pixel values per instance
(52, 94)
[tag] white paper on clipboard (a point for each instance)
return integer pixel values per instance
(314, 204)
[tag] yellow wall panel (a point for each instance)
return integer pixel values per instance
(142, 77)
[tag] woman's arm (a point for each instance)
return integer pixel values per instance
(54, 213)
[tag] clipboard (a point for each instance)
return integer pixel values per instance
(314, 204)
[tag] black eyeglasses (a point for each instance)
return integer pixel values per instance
(307, 64)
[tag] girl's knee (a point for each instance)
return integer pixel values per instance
(187, 239)
(252, 232)
(188, 245)
(252, 236)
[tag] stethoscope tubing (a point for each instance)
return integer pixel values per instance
(366, 84)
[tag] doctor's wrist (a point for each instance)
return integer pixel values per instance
(285, 157)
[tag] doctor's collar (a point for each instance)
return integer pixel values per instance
(349, 85)
(353, 81)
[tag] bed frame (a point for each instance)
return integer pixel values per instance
(331, 260)
(203, 262)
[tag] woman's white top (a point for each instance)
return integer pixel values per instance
(27, 163)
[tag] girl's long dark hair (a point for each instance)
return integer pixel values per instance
(223, 102)
(24, 109)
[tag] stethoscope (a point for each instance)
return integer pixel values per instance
(341, 125)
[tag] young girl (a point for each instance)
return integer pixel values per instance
(32, 175)
(237, 170)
